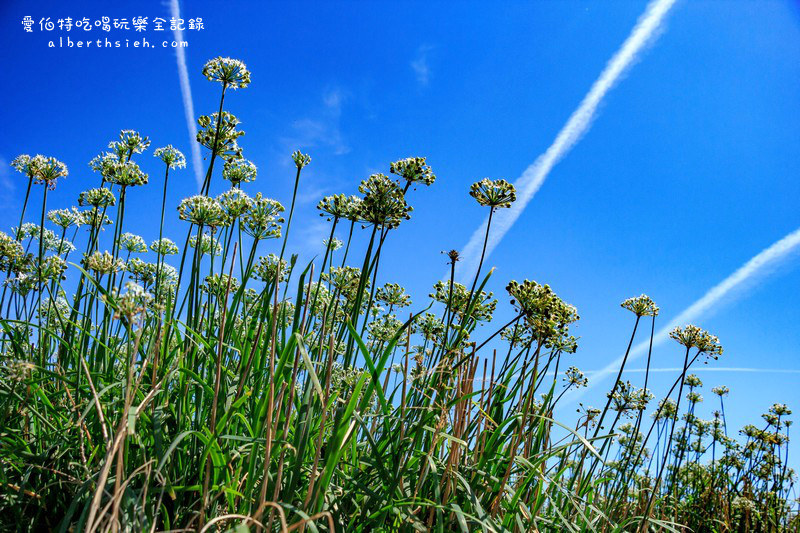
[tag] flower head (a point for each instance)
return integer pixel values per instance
(340, 206)
(164, 247)
(11, 250)
(239, 171)
(127, 174)
(104, 163)
(65, 218)
(130, 142)
(413, 170)
(393, 295)
(133, 244)
(384, 203)
(721, 391)
(263, 220)
(457, 298)
(203, 211)
(548, 316)
(171, 156)
(692, 380)
(207, 244)
(95, 220)
(229, 72)
(26, 164)
(493, 193)
(693, 337)
(101, 197)
(332, 244)
(235, 202)
(218, 284)
(133, 303)
(300, 159)
(641, 306)
(226, 146)
(266, 268)
(103, 263)
(48, 170)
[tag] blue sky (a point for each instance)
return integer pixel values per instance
(689, 170)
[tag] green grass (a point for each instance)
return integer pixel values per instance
(222, 389)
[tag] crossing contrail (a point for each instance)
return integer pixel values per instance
(579, 123)
(751, 271)
(186, 93)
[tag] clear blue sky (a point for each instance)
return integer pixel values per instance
(690, 168)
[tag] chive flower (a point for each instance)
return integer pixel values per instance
(239, 171)
(229, 72)
(413, 170)
(171, 156)
(493, 193)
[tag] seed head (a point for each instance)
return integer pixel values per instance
(575, 378)
(483, 309)
(11, 250)
(217, 284)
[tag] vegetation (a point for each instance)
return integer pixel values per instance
(208, 387)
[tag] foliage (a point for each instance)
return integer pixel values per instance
(244, 391)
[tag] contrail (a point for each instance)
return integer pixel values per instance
(677, 369)
(188, 103)
(750, 271)
(579, 123)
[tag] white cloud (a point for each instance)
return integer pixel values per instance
(420, 66)
(324, 129)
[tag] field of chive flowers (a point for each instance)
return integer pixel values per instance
(208, 381)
